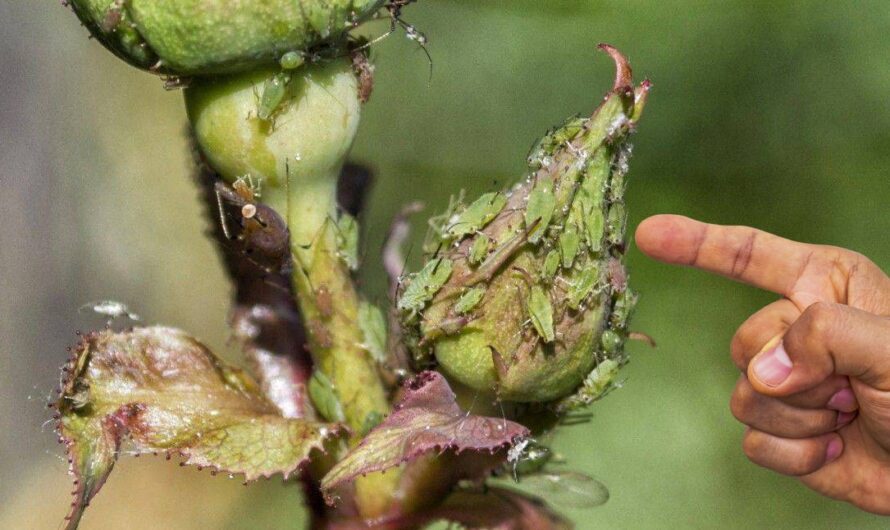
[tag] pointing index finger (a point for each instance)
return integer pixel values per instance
(742, 253)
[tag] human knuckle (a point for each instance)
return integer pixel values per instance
(821, 319)
(741, 402)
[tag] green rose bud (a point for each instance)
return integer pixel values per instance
(532, 310)
(196, 37)
(304, 141)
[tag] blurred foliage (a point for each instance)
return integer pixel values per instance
(766, 114)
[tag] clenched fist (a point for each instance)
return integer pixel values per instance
(815, 384)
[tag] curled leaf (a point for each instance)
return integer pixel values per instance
(166, 392)
(426, 419)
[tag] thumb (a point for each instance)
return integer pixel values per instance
(826, 339)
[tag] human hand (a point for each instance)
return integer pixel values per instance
(815, 384)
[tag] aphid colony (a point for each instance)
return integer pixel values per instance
(524, 293)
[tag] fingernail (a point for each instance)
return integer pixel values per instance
(773, 366)
(835, 446)
(843, 400)
(844, 418)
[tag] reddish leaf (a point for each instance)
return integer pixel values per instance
(427, 419)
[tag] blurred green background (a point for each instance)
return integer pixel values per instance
(772, 114)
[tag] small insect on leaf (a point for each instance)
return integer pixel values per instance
(476, 215)
(541, 312)
(469, 300)
(373, 326)
(324, 398)
(347, 240)
(425, 284)
(274, 92)
(539, 209)
(479, 249)
(551, 264)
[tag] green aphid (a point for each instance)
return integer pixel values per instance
(479, 249)
(615, 224)
(372, 420)
(569, 243)
(584, 284)
(373, 325)
(539, 210)
(622, 309)
(541, 313)
(476, 215)
(435, 236)
(469, 300)
(594, 225)
(324, 398)
(347, 240)
(424, 284)
(550, 142)
(273, 95)
(611, 341)
(551, 265)
(291, 60)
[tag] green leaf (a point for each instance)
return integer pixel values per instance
(165, 392)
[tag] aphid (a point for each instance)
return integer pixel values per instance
(324, 397)
(274, 92)
(615, 224)
(263, 234)
(373, 325)
(372, 420)
(364, 71)
(479, 249)
(425, 284)
(111, 309)
(569, 243)
(324, 301)
(527, 456)
(594, 223)
(412, 33)
(622, 308)
(347, 240)
(541, 312)
(551, 141)
(539, 209)
(584, 284)
(551, 265)
(611, 341)
(476, 215)
(469, 300)
(291, 60)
